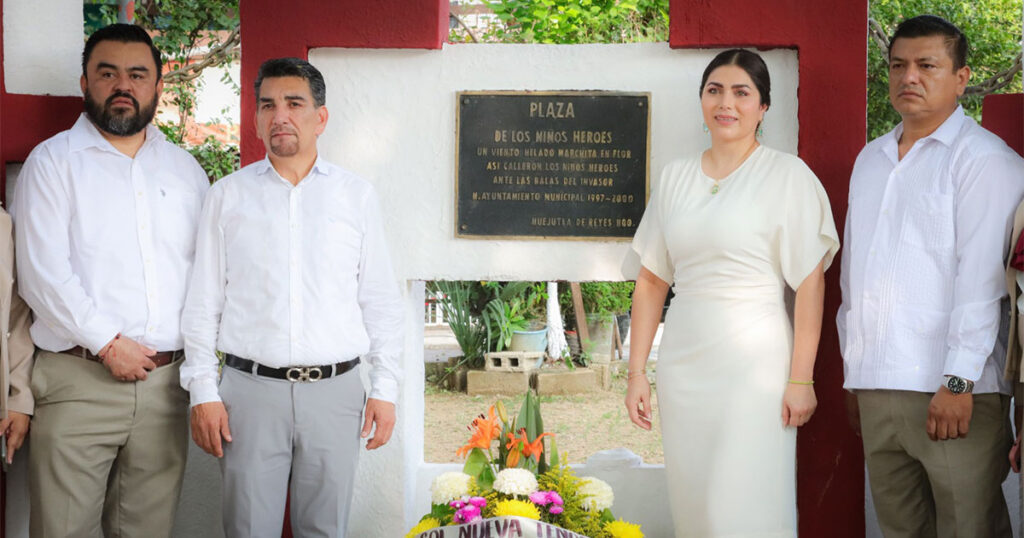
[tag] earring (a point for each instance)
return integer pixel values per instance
(760, 130)
(704, 126)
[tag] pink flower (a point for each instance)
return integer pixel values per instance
(478, 502)
(457, 504)
(555, 509)
(468, 514)
(540, 498)
(555, 498)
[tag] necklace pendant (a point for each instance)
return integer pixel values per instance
(714, 189)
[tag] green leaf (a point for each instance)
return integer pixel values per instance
(606, 516)
(476, 463)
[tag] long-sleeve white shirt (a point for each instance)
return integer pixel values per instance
(105, 242)
(292, 276)
(923, 279)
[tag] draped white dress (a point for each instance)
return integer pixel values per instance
(725, 353)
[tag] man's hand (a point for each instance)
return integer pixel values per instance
(209, 426)
(949, 415)
(798, 404)
(127, 359)
(1015, 454)
(383, 414)
(15, 427)
(638, 401)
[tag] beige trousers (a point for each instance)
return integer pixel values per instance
(925, 488)
(107, 457)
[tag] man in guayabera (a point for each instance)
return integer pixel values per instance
(293, 283)
(105, 218)
(923, 320)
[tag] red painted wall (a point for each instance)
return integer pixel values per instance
(1004, 116)
(830, 38)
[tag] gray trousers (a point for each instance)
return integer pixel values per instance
(307, 433)
(924, 488)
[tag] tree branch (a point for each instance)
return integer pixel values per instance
(217, 55)
(459, 20)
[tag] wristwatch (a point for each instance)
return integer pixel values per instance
(958, 385)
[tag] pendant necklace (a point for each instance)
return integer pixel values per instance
(715, 188)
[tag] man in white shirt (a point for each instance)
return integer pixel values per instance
(922, 324)
(105, 218)
(293, 283)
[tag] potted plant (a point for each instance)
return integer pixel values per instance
(602, 301)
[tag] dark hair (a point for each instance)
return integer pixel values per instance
(294, 67)
(932, 25)
(751, 63)
(125, 33)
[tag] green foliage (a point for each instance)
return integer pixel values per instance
(993, 30)
(183, 30)
(600, 298)
(531, 421)
(459, 308)
(579, 21)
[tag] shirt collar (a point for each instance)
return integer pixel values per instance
(320, 167)
(84, 134)
(946, 133)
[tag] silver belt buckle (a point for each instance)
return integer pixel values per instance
(304, 374)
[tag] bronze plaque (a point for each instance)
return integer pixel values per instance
(555, 165)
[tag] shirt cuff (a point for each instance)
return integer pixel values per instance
(383, 387)
(99, 333)
(202, 391)
(964, 364)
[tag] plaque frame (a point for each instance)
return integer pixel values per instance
(548, 93)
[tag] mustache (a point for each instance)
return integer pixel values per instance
(910, 89)
(119, 94)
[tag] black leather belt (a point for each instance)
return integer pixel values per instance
(295, 374)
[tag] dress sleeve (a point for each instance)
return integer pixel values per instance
(808, 232)
(648, 248)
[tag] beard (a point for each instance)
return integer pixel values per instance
(286, 147)
(120, 122)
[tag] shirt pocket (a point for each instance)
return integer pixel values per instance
(929, 223)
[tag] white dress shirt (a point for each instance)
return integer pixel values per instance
(105, 242)
(923, 278)
(292, 276)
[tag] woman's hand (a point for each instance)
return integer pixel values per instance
(638, 401)
(798, 404)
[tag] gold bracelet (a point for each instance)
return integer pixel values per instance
(795, 382)
(631, 375)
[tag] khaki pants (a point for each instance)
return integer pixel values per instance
(925, 488)
(106, 457)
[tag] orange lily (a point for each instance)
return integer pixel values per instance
(522, 446)
(485, 430)
(515, 448)
(535, 447)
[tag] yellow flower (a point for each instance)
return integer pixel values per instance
(425, 524)
(622, 529)
(516, 508)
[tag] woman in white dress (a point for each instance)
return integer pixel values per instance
(731, 229)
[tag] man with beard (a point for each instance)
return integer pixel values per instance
(293, 283)
(923, 321)
(105, 216)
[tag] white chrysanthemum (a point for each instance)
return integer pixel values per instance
(449, 486)
(515, 482)
(597, 494)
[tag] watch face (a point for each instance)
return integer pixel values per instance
(956, 385)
